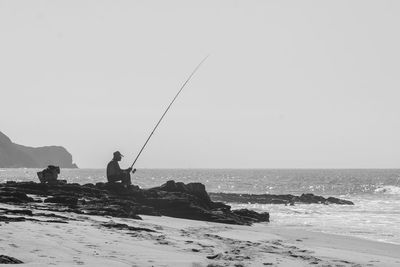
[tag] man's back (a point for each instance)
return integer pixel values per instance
(113, 169)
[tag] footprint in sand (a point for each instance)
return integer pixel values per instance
(277, 242)
(52, 235)
(162, 240)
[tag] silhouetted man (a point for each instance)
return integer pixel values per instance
(116, 174)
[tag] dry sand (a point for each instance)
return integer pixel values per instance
(84, 240)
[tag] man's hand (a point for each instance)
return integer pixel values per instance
(129, 169)
(134, 170)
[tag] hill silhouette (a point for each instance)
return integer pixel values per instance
(18, 156)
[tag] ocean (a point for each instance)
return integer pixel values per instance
(375, 193)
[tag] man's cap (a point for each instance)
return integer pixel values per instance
(117, 153)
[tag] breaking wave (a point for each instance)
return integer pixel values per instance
(388, 189)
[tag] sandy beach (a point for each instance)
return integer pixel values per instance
(200, 133)
(164, 241)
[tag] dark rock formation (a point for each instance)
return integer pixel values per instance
(27, 215)
(252, 215)
(18, 156)
(196, 189)
(68, 201)
(11, 219)
(339, 201)
(16, 212)
(122, 226)
(23, 219)
(14, 197)
(277, 199)
(190, 201)
(9, 260)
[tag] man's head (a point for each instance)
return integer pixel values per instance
(117, 156)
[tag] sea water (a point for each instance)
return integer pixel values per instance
(375, 193)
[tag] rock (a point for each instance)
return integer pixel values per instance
(27, 187)
(11, 219)
(339, 201)
(195, 189)
(116, 188)
(220, 206)
(7, 199)
(189, 201)
(215, 257)
(122, 226)
(252, 215)
(9, 260)
(14, 197)
(311, 198)
(277, 199)
(199, 190)
(68, 201)
(20, 212)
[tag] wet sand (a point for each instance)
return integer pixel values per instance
(164, 241)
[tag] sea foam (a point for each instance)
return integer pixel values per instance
(388, 189)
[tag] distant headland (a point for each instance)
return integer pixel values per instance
(18, 156)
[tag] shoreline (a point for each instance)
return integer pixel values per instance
(91, 240)
(97, 225)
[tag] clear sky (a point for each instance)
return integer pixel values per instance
(289, 84)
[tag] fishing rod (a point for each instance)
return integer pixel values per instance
(169, 106)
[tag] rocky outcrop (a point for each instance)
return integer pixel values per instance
(196, 189)
(189, 201)
(18, 156)
(9, 260)
(277, 199)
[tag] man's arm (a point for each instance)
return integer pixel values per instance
(130, 169)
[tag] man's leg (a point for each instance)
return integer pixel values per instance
(114, 179)
(126, 180)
